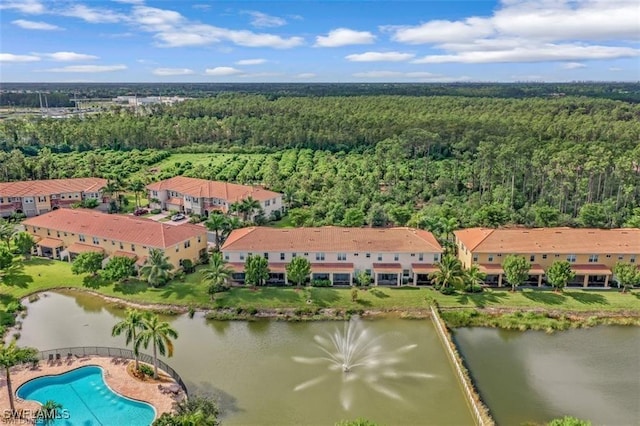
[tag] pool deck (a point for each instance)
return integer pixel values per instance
(115, 374)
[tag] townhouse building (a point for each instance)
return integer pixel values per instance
(201, 196)
(592, 253)
(391, 256)
(34, 197)
(65, 233)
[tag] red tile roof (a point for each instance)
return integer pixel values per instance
(231, 192)
(331, 267)
(129, 229)
(551, 240)
(591, 269)
(29, 188)
(83, 248)
(387, 267)
(50, 243)
(332, 239)
(423, 268)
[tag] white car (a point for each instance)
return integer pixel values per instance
(177, 217)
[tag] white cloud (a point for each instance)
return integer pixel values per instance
(129, 1)
(93, 15)
(344, 37)
(305, 75)
(88, 68)
(572, 65)
(163, 72)
(379, 57)
(222, 71)
(68, 56)
(256, 61)
(10, 57)
(35, 25)
(262, 20)
(33, 7)
(154, 19)
(443, 31)
(539, 53)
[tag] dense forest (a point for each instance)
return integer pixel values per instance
(371, 159)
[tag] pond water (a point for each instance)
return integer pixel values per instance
(529, 376)
(280, 373)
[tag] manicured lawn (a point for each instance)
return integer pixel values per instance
(41, 274)
(285, 222)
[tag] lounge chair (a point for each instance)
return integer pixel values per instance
(58, 357)
(50, 357)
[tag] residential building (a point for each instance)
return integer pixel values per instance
(201, 196)
(65, 233)
(34, 197)
(591, 252)
(391, 256)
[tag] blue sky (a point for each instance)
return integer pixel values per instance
(319, 41)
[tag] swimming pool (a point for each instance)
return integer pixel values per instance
(87, 399)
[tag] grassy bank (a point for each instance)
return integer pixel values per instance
(41, 274)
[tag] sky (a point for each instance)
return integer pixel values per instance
(319, 41)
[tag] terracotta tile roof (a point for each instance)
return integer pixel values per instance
(129, 229)
(28, 188)
(423, 268)
(236, 266)
(175, 201)
(232, 192)
(551, 240)
(387, 267)
(331, 267)
(50, 243)
(84, 248)
(332, 239)
(591, 269)
(490, 268)
(120, 253)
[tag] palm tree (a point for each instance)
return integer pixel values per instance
(217, 274)
(157, 268)
(159, 334)
(216, 224)
(111, 189)
(248, 206)
(130, 326)
(137, 186)
(25, 243)
(10, 356)
(474, 277)
(48, 412)
(7, 232)
(449, 273)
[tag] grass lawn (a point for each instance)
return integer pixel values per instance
(42, 274)
(285, 222)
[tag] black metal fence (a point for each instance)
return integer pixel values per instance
(103, 351)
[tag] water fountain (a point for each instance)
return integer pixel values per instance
(358, 356)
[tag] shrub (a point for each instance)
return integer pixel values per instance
(187, 266)
(321, 283)
(448, 290)
(145, 370)
(14, 307)
(195, 218)
(475, 288)
(155, 211)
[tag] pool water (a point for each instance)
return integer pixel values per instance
(86, 399)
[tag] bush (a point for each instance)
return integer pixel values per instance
(204, 257)
(155, 211)
(447, 290)
(145, 370)
(475, 288)
(195, 218)
(14, 307)
(187, 266)
(321, 283)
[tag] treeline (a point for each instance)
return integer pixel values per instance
(629, 92)
(35, 100)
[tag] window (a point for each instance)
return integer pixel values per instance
(177, 249)
(187, 244)
(368, 271)
(405, 272)
(593, 258)
(420, 257)
(281, 256)
(133, 247)
(306, 254)
(1, 200)
(48, 232)
(294, 254)
(81, 237)
(368, 255)
(413, 255)
(632, 259)
(544, 256)
(266, 256)
(532, 258)
(571, 258)
(113, 243)
(267, 203)
(319, 256)
(620, 257)
(475, 257)
(379, 257)
(490, 258)
(121, 246)
(199, 238)
(499, 254)
(65, 234)
(396, 256)
(58, 234)
(342, 256)
(42, 199)
(436, 257)
(226, 257)
(608, 256)
(356, 254)
(241, 256)
(96, 240)
(557, 255)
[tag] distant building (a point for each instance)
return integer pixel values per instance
(65, 233)
(147, 100)
(391, 256)
(34, 197)
(591, 252)
(201, 196)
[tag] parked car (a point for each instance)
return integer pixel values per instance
(140, 212)
(177, 217)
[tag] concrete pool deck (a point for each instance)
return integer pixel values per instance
(115, 375)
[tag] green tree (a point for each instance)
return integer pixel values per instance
(363, 279)
(298, 270)
(400, 215)
(156, 269)
(449, 273)
(300, 216)
(131, 326)
(353, 216)
(633, 221)
(217, 274)
(24, 243)
(593, 215)
(159, 334)
(137, 186)
(7, 231)
(48, 412)
(546, 216)
(10, 356)
(6, 258)
(568, 421)
(354, 294)
(248, 207)
(217, 223)
(627, 275)
(197, 410)
(559, 274)
(256, 270)
(473, 277)
(516, 270)
(492, 215)
(89, 262)
(119, 268)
